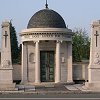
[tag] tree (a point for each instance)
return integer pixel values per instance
(14, 44)
(81, 45)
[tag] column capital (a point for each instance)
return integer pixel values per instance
(59, 41)
(23, 42)
(36, 41)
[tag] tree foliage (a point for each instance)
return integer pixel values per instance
(81, 45)
(14, 44)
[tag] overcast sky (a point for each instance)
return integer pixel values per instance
(76, 13)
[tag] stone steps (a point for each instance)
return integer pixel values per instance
(26, 87)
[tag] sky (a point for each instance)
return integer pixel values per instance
(76, 13)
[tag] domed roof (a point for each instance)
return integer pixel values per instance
(46, 18)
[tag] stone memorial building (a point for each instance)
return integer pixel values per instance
(47, 54)
(46, 49)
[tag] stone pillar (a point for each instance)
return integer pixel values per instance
(24, 62)
(69, 76)
(58, 67)
(94, 63)
(37, 63)
(6, 69)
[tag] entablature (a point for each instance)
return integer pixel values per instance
(62, 34)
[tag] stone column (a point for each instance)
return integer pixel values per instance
(37, 63)
(69, 76)
(24, 63)
(58, 67)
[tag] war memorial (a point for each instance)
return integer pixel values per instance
(47, 57)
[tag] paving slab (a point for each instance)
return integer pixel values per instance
(71, 87)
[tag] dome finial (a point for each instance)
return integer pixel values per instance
(46, 5)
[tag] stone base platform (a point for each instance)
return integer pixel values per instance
(47, 84)
(6, 87)
(93, 86)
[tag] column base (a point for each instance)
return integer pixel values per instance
(69, 81)
(57, 82)
(37, 82)
(23, 82)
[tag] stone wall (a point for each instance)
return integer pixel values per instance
(16, 72)
(80, 71)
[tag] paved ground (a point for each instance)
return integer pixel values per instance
(31, 95)
(76, 88)
(52, 89)
(58, 91)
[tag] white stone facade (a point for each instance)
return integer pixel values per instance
(34, 41)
